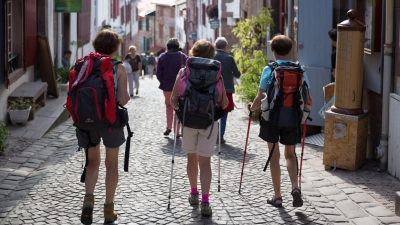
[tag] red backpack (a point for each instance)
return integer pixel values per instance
(91, 95)
(287, 101)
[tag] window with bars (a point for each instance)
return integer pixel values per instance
(9, 28)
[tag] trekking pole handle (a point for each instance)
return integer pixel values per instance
(249, 108)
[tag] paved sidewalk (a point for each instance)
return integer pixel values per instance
(41, 185)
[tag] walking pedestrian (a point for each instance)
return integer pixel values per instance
(333, 36)
(168, 66)
(199, 143)
(106, 42)
(144, 64)
(289, 136)
(151, 62)
(229, 72)
(136, 64)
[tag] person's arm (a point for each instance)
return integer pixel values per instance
(122, 80)
(235, 70)
(140, 68)
(127, 58)
(175, 94)
(159, 70)
(257, 100)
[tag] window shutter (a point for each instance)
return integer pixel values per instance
(30, 33)
(147, 23)
(84, 22)
(122, 15)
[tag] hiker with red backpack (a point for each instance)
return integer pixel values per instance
(199, 98)
(96, 86)
(285, 102)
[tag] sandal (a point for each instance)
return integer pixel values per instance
(272, 201)
(297, 200)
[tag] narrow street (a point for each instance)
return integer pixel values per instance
(41, 185)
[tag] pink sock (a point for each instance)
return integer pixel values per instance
(204, 197)
(194, 190)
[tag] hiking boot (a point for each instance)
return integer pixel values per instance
(206, 209)
(167, 131)
(109, 214)
(87, 209)
(194, 199)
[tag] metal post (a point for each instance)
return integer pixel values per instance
(59, 40)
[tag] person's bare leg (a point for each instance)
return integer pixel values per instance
(291, 165)
(111, 173)
(92, 169)
(192, 168)
(275, 171)
(205, 174)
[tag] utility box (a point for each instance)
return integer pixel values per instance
(345, 140)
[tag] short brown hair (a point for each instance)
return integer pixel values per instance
(281, 44)
(203, 48)
(106, 42)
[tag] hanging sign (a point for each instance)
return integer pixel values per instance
(214, 24)
(68, 6)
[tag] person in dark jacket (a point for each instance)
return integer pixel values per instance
(229, 71)
(168, 66)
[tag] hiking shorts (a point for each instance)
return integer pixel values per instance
(195, 140)
(111, 139)
(271, 134)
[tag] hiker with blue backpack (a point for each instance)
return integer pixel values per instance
(285, 102)
(97, 85)
(199, 98)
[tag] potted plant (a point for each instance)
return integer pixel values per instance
(249, 56)
(63, 77)
(19, 110)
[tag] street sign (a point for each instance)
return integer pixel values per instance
(214, 24)
(192, 35)
(68, 6)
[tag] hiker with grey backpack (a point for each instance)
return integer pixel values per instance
(199, 98)
(285, 102)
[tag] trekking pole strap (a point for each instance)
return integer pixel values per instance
(269, 157)
(127, 148)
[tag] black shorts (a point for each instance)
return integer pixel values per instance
(111, 138)
(285, 135)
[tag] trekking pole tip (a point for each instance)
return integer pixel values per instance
(239, 191)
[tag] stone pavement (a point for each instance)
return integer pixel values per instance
(41, 185)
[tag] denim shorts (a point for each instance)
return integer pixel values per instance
(272, 134)
(112, 138)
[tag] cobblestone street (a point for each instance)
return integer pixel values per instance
(42, 185)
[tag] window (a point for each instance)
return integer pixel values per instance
(20, 41)
(203, 14)
(144, 24)
(84, 22)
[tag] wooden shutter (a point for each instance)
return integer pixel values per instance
(84, 22)
(30, 33)
(122, 15)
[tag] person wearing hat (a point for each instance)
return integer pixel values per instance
(151, 63)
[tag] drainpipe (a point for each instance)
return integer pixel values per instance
(59, 40)
(382, 149)
(220, 18)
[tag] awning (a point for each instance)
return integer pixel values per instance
(157, 49)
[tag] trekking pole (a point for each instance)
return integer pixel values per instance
(245, 149)
(219, 155)
(172, 163)
(302, 149)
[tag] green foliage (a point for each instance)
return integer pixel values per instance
(62, 75)
(21, 103)
(3, 137)
(248, 56)
(118, 57)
